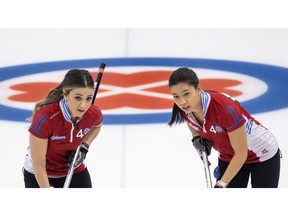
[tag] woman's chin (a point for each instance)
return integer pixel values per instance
(78, 115)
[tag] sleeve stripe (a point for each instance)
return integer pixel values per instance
(39, 123)
(236, 123)
(36, 131)
(233, 113)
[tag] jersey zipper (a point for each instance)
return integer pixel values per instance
(193, 120)
(71, 133)
(72, 129)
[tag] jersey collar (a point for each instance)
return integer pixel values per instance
(206, 98)
(65, 111)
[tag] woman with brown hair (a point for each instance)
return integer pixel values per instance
(63, 121)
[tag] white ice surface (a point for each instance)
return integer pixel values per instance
(153, 161)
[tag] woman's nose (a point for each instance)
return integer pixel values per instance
(83, 104)
(182, 101)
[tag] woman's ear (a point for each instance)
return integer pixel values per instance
(199, 88)
(64, 93)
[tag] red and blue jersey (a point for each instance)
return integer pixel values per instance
(53, 122)
(223, 114)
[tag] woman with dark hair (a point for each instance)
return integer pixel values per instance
(246, 148)
(59, 124)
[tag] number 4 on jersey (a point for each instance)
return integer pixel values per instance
(82, 132)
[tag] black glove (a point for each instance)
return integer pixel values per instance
(201, 144)
(217, 186)
(81, 156)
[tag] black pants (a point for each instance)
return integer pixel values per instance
(263, 175)
(79, 180)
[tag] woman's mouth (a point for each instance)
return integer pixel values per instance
(185, 108)
(81, 111)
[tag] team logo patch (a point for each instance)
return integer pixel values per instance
(86, 130)
(135, 90)
(216, 129)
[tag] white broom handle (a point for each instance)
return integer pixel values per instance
(71, 169)
(207, 169)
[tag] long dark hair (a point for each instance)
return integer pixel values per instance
(184, 75)
(75, 78)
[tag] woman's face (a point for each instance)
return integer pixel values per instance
(79, 101)
(186, 97)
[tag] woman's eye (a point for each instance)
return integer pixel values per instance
(89, 99)
(175, 96)
(78, 98)
(186, 94)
